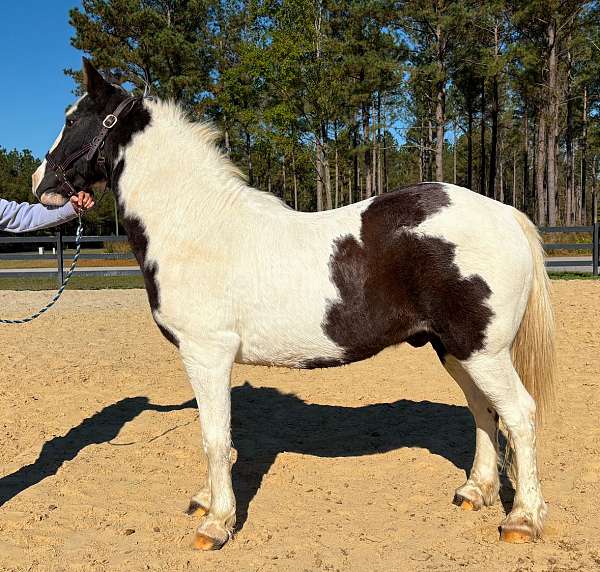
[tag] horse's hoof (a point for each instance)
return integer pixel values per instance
(196, 509)
(465, 503)
(519, 527)
(203, 542)
(516, 535)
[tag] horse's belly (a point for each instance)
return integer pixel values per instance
(295, 345)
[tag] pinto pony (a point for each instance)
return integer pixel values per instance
(233, 275)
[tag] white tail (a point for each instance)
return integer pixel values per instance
(533, 351)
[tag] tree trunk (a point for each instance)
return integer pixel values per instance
(570, 171)
(594, 185)
(501, 189)
(374, 152)
(328, 195)
(284, 181)
(439, 134)
(553, 122)
(428, 151)
(350, 188)
(295, 180)
(440, 104)
(583, 184)
(226, 139)
(454, 152)
(326, 169)
(422, 165)
(526, 206)
(385, 164)
(540, 169)
(320, 171)
(354, 157)
(482, 143)
(367, 154)
(379, 145)
(470, 146)
(337, 178)
(494, 135)
(249, 159)
(515, 198)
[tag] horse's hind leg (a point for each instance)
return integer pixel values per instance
(482, 486)
(498, 380)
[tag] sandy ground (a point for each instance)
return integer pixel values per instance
(343, 469)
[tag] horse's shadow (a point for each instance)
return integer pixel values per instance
(267, 422)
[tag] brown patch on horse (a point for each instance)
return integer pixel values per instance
(396, 286)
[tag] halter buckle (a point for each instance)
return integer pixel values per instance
(110, 121)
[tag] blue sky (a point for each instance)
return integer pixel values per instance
(34, 49)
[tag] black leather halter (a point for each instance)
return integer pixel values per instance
(90, 149)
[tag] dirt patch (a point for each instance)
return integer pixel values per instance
(343, 469)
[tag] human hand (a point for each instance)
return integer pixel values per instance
(82, 201)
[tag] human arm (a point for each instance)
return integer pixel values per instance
(24, 217)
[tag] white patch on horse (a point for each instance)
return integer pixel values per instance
(40, 172)
(474, 223)
(73, 107)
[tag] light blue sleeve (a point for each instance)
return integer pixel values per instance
(24, 217)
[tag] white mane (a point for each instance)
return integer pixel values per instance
(188, 139)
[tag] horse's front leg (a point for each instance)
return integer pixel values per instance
(208, 364)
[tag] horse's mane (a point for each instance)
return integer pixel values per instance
(205, 132)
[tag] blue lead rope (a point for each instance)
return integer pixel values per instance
(66, 279)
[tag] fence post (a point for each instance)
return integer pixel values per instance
(595, 233)
(59, 257)
(116, 215)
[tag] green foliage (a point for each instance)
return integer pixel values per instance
(327, 101)
(16, 168)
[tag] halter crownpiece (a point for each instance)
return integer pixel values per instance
(90, 149)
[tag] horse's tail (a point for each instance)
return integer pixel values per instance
(533, 351)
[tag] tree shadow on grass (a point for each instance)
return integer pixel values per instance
(267, 422)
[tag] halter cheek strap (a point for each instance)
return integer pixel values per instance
(90, 149)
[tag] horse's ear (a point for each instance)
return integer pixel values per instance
(95, 85)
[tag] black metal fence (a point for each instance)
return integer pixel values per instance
(58, 242)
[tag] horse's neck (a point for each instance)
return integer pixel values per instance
(179, 186)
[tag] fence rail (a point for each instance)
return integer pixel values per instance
(58, 242)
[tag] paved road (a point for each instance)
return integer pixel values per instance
(569, 264)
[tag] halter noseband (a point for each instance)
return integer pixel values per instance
(90, 149)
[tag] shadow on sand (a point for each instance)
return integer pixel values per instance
(267, 422)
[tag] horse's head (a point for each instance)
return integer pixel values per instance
(78, 160)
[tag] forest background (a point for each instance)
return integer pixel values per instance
(328, 102)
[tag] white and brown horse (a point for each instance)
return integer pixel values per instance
(233, 275)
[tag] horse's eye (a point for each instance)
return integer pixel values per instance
(70, 122)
